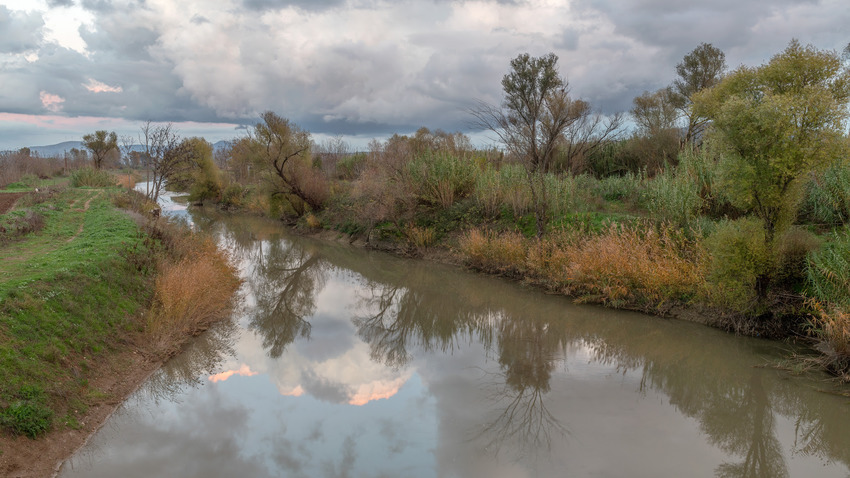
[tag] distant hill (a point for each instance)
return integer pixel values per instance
(61, 148)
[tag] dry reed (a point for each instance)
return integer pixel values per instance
(192, 293)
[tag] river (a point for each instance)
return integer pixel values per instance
(342, 362)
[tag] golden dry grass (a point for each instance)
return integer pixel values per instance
(622, 265)
(126, 181)
(831, 327)
(420, 236)
(193, 292)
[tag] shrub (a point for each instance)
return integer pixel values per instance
(831, 326)
(350, 167)
(514, 186)
(488, 191)
(233, 196)
(440, 178)
(791, 250)
(828, 270)
(619, 188)
(739, 258)
(191, 293)
(92, 178)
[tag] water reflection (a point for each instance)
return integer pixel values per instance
(429, 371)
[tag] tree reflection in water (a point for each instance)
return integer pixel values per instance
(284, 284)
(198, 360)
(406, 309)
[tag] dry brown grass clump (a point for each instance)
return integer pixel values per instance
(192, 293)
(621, 266)
(831, 327)
(498, 253)
(627, 264)
(420, 236)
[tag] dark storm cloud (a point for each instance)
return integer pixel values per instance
(199, 19)
(21, 31)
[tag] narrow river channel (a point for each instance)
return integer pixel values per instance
(347, 363)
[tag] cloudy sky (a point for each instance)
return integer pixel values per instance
(358, 68)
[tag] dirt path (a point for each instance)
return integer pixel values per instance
(83, 222)
(8, 200)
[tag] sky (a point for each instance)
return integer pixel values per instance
(359, 69)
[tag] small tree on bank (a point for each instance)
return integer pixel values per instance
(101, 143)
(535, 113)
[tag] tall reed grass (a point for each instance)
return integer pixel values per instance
(828, 270)
(92, 178)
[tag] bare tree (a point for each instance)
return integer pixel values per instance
(161, 154)
(535, 113)
(587, 133)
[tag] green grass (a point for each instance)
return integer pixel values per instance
(66, 293)
(30, 182)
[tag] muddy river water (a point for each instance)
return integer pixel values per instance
(347, 363)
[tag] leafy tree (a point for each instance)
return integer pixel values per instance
(700, 69)
(774, 125)
(535, 113)
(101, 143)
(283, 150)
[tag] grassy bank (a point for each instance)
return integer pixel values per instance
(82, 283)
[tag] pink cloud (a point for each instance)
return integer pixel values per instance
(51, 102)
(99, 87)
(244, 371)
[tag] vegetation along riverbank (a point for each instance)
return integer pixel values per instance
(741, 219)
(94, 296)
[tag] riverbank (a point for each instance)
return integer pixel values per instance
(87, 312)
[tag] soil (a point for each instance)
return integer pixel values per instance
(7, 200)
(117, 376)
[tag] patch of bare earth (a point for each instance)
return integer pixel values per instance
(8, 200)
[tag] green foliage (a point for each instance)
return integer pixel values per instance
(91, 178)
(827, 199)
(440, 178)
(739, 258)
(776, 124)
(619, 188)
(100, 143)
(673, 195)
(828, 270)
(28, 414)
(350, 167)
(233, 196)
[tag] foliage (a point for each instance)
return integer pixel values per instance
(537, 110)
(92, 178)
(283, 152)
(702, 68)
(774, 125)
(828, 270)
(101, 143)
(673, 195)
(440, 179)
(28, 414)
(827, 197)
(740, 259)
(191, 293)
